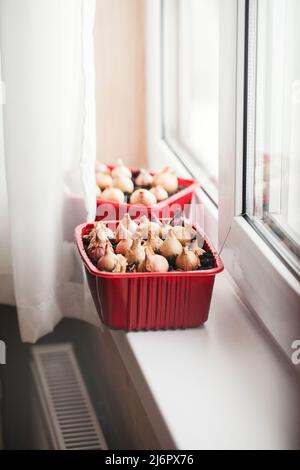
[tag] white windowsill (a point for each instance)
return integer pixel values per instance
(227, 384)
(224, 385)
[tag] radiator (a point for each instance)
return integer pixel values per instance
(64, 416)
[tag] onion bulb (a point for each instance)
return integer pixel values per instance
(124, 183)
(101, 228)
(101, 167)
(96, 248)
(196, 248)
(146, 226)
(109, 260)
(97, 242)
(171, 246)
(184, 233)
(178, 218)
(123, 246)
(122, 233)
(103, 180)
(129, 223)
(159, 192)
(165, 230)
(142, 196)
(153, 242)
(121, 264)
(153, 263)
(187, 260)
(120, 168)
(144, 178)
(167, 179)
(98, 191)
(112, 194)
(136, 254)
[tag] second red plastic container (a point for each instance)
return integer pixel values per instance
(110, 210)
(150, 301)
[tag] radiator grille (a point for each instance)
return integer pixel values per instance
(68, 410)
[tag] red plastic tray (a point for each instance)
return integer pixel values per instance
(150, 301)
(110, 210)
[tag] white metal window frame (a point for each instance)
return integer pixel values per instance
(265, 284)
(268, 287)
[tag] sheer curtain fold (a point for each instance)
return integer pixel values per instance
(48, 156)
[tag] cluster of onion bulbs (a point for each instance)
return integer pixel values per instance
(149, 246)
(144, 189)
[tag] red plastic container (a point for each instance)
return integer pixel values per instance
(110, 210)
(150, 301)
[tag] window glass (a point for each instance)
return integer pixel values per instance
(191, 82)
(273, 145)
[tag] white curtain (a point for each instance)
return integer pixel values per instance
(47, 158)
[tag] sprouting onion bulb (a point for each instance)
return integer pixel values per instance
(142, 196)
(129, 223)
(196, 248)
(159, 192)
(153, 262)
(184, 233)
(147, 226)
(101, 167)
(103, 180)
(120, 168)
(122, 233)
(136, 254)
(171, 246)
(154, 242)
(165, 230)
(167, 179)
(112, 194)
(121, 264)
(144, 178)
(97, 238)
(123, 246)
(100, 228)
(97, 245)
(123, 183)
(187, 260)
(109, 260)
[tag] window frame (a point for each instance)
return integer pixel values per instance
(262, 281)
(267, 285)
